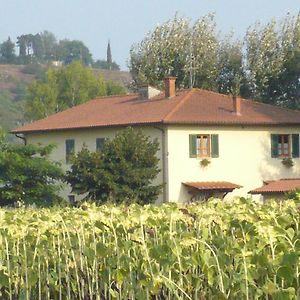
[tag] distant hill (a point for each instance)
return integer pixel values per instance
(13, 82)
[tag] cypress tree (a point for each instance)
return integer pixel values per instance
(109, 57)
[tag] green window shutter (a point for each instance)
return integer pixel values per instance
(99, 144)
(70, 150)
(214, 145)
(193, 145)
(295, 145)
(274, 145)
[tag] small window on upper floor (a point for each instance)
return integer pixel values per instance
(204, 145)
(285, 145)
(100, 144)
(70, 150)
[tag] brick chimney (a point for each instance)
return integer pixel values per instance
(237, 103)
(170, 87)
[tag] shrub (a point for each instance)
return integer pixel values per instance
(122, 172)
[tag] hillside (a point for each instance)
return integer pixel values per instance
(13, 82)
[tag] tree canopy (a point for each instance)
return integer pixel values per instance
(7, 52)
(44, 47)
(27, 174)
(122, 171)
(66, 87)
(263, 66)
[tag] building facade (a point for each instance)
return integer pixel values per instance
(210, 144)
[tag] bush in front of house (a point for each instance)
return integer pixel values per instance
(123, 171)
(27, 175)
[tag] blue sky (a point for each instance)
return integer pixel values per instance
(125, 22)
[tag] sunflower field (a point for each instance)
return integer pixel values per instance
(215, 250)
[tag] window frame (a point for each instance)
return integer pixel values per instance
(69, 151)
(198, 149)
(277, 145)
(203, 148)
(98, 149)
(281, 147)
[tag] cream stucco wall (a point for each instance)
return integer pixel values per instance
(88, 137)
(244, 159)
(244, 156)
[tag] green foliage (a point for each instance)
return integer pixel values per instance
(27, 175)
(19, 91)
(192, 53)
(65, 87)
(35, 69)
(266, 69)
(10, 111)
(43, 47)
(49, 44)
(122, 172)
(70, 51)
(113, 88)
(108, 54)
(103, 64)
(7, 52)
(217, 250)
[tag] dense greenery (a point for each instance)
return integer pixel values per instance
(122, 171)
(10, 110)
(27, 175)
(264, 66)
(43, 47)
(217, 250)
(66, 87)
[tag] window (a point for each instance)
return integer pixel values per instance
(204, 145)
(99, 144)
(284, 145)
(70, 150)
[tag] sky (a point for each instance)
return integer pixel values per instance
(126, 22)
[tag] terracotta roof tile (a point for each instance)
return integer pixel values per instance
(187, 107)
(213, 185)
(278, 186)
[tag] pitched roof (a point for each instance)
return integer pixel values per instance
(278, 186)
(187, 107)
(213, 185)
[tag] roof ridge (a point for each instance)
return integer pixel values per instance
(273, 106)
(174, 109)
(111, 96)
(247, 100)
(211, 92)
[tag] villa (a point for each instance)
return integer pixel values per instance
(210, 144)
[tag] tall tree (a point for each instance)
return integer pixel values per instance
(69, 51)
(231, 77)
(49, 44)
(288, 83)
(7, 52)
(108, 55)
(264, 60)
(161, 53)
(38, 47)
(176, 48)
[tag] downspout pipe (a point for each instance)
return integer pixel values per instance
(23, 138)
(164, 171)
